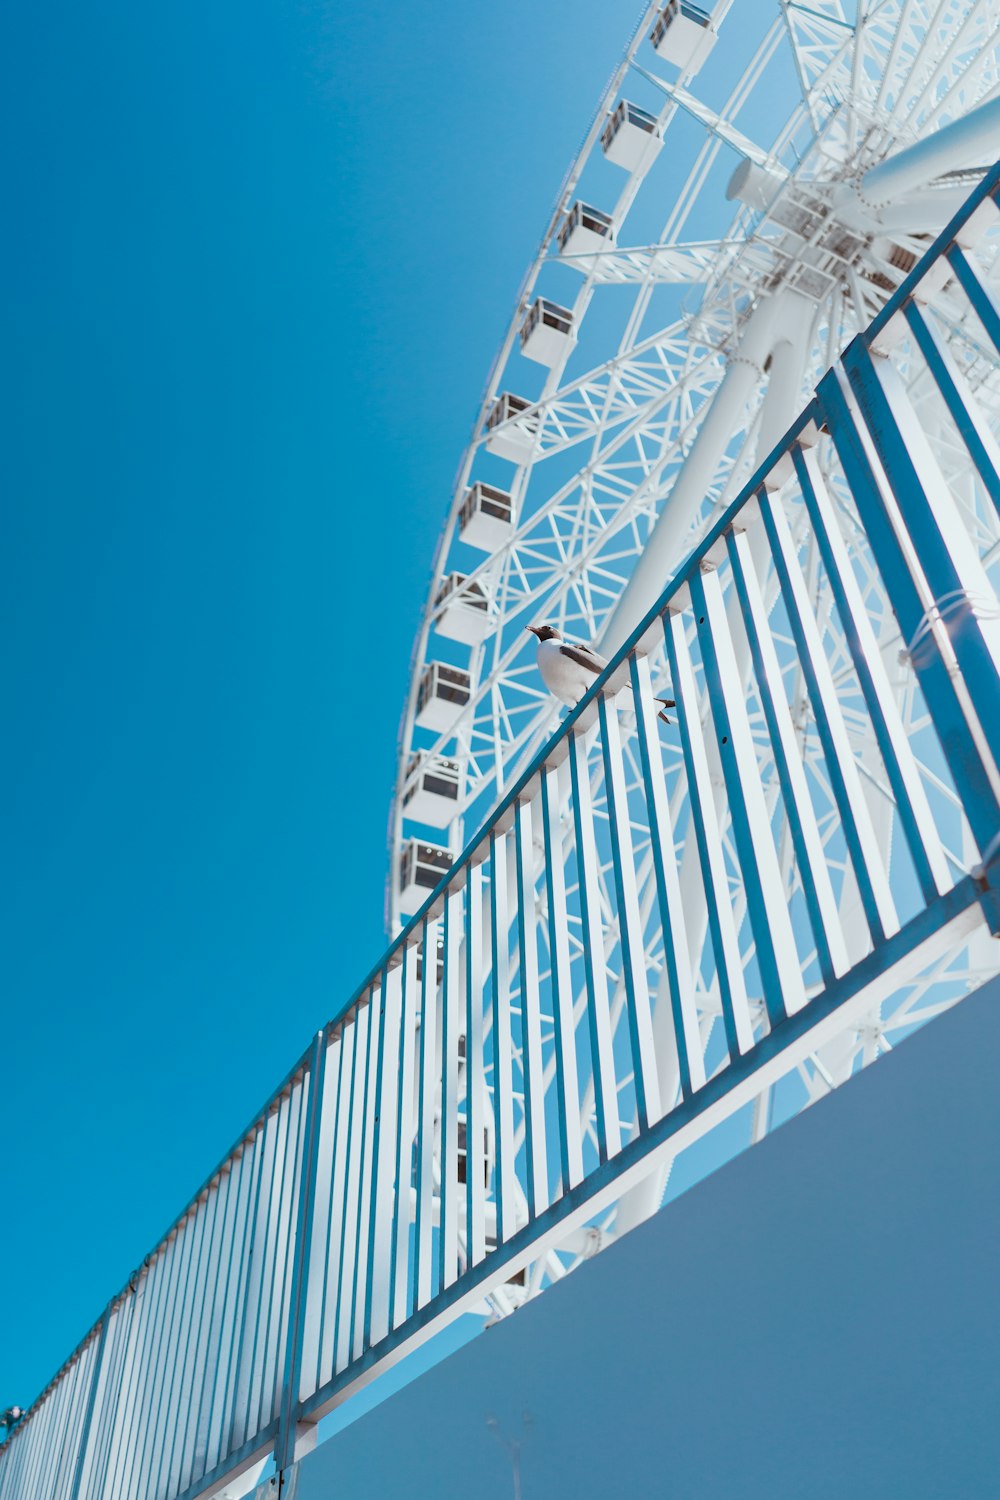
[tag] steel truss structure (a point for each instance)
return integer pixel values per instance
(671, 364)
(656, 930)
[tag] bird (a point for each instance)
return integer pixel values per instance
(569, 668)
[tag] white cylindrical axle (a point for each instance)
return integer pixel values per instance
(972, 141)
(754, 185)
(772, 321)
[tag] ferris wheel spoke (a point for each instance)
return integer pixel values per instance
(949, 60)
(716, 122)
(934, 59)
(820, 37)
(901, 17)
(978, 83)
(684, 265)
(622, 380)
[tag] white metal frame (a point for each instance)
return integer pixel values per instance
(633, 449)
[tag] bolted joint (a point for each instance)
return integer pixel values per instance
(987, 878)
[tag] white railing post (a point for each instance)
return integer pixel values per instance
(88, 1415)
(284, 1445)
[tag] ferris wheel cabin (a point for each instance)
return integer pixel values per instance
(486, 520)
(547, 333)
(508, 434)
(683, 34)
(464, 610)
(420, 868)
(586, 231)
(432, 795)
(443, 693)
(631, 136)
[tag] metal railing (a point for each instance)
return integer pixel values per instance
(531, 1043)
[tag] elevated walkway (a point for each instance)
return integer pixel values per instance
(818, 1318)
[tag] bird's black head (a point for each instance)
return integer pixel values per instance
(545, 632)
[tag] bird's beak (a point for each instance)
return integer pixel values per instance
(532, 629)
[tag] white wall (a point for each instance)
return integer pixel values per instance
(819, 1318)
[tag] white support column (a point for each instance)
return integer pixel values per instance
(777, 331)
(776, 320)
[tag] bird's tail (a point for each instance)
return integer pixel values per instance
(667, 703)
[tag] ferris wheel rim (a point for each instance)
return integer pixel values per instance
(780, 27)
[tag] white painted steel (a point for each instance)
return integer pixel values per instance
(325, 1191)
(592, 938)
(533, 1129)
(628, 449)
(743, 781)
(473, 1231)
(564, 1041)
(430, 1054)
(718, 896)
(390, 1132)
(347, 1259)
(630, 925)
(677, 976)
(508, 1193)
(798, 790)
(908, 768)
(854, 807)
(406, 1140)
(968, 142)
(450, 1029)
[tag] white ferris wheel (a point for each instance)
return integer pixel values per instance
(735, 215)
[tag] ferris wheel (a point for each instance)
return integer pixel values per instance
(736, 214)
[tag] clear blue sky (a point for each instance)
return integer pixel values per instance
(256, 264)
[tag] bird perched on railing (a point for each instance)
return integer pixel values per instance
(568, 668)
(9, 1420)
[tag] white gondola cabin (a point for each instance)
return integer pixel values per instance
(547, 334)
(585, 231)
(421, 866)
(432, 789)
(463, 610)
(683, 34)
(508, 433)
(631, 137)
(486, 519)
(443, 693)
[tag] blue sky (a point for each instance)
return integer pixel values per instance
(258, 261)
